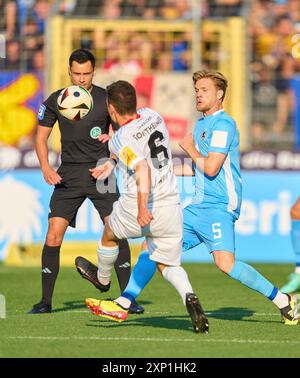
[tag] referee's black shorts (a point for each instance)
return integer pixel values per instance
(76, 186)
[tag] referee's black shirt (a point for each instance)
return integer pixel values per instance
(79, 139)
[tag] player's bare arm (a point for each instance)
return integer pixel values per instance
(210, 165)
(143, 182)
(41, 147)
(101, 172)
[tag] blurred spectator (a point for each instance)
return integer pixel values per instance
(82, 7)
(37, 62)
(111, 9)
(16, 16)
(179, 54)
(272, 48)
(40, 12)
(184, 8)
(12, 62)
(163, 62)
(67, 7)
(132, 8)
(8, 13)
(225, 8)
(168, 10)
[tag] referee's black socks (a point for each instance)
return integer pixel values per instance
(50, 269)
(123, 264)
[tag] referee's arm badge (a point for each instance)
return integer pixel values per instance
(41, 112)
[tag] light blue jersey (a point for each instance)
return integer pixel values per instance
(218, 133)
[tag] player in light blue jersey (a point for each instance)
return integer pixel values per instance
(210, 219)
(293, 283)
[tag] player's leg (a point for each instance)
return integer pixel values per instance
(191, 238)
(166, 251)
(179, 279)
(217, 230)
(122, 224)
(250, 277)
(141, 274)
(103, 203)
(50, 262)
(294, 279)
(64, 204)
(108, 251)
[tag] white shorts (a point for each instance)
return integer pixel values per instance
(163, 234)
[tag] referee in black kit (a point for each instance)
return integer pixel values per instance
(73, 182)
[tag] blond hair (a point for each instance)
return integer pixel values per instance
(218, 78)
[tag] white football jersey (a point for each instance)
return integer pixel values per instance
(146, 138)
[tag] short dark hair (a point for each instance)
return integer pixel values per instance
(82, 56)
(121, 94)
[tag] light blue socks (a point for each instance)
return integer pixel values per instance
(250, 277)
(141, 274)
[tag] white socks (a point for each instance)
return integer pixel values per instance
(123, 302)
(281, 300)
(107, 257)
(178, 277)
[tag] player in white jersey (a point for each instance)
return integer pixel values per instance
(141, 147)
(145, 139)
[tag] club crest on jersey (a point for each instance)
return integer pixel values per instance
(95, 132)
(203, 136)
(127, 155)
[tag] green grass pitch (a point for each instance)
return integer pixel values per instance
(242, 322)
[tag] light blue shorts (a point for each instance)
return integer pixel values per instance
(212, 226)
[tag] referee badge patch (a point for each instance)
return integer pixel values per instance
(41, 112)
(95, 132)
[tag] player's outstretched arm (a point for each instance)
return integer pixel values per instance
(41, 147)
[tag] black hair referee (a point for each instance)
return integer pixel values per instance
(80, 151)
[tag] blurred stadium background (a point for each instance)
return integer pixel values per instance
(155, 44)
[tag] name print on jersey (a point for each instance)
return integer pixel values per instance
(148, 130)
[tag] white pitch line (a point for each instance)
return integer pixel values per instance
(20, 312)
(200, 339)
(217, 313)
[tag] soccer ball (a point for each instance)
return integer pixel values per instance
(74, 102)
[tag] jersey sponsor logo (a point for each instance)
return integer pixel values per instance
(41, 112)
(127, 155)
(95, 132)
